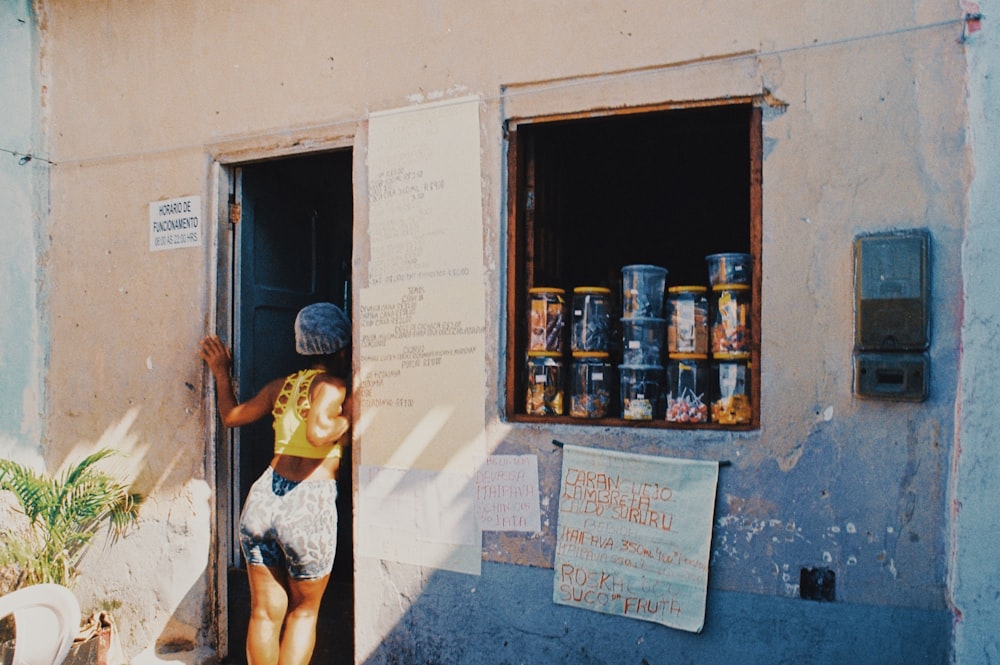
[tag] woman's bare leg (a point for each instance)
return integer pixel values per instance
(300, 624)
(268, 604)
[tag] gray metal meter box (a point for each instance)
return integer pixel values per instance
(892, 315)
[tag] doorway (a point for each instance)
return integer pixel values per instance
(292, 246)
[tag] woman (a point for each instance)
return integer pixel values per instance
(288, 527)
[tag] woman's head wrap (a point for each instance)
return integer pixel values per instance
(321, 329)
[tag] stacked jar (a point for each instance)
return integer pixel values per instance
(687, 349)
(546, 321)
(729, 275)
(591, 378)
(641, 371)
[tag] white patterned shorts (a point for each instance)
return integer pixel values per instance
(291, 525)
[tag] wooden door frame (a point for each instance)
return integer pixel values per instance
(226, 158)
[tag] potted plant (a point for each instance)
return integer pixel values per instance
(63, 515)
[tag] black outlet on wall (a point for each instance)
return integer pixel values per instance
(817, 584)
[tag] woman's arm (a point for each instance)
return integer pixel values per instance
(232, 413)
(327, 421)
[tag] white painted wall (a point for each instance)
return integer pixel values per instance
(975, 577)
(23, 191)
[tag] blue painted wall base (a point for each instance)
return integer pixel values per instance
(506, 617)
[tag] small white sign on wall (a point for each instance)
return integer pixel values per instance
(175, 223)
(507, 495)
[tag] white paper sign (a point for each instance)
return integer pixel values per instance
(507, 494)
(175, 223)
(425, 194)
(634, 535)
(421, 381)
(419, 517)
(422, 325)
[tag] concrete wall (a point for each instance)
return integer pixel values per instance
(869, 134)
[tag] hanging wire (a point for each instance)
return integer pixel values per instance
(529, 88)
(25, 157)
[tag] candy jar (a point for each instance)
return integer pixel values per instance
(641, 389)
(731, 322)
(591, 382)
(545, 387)
(546, 319)
(731, 394)
(591, 318)
(687, 388)
(687, 319)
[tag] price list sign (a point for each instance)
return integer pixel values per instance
(634, 535)
(425, 194)
(422, 315)
(421, 369)
(421, 321)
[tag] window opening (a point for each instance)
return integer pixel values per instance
(648, 188)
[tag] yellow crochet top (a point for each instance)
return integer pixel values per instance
(291, 409)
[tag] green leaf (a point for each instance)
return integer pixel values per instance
(64, 514)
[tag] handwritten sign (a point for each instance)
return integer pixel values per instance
(423, 313)
(634, 535)
(422, 362)
(507, 494)
(422, 324)
(425, 194)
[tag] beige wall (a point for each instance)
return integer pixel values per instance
(865, 133)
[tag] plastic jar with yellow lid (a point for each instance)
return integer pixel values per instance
(591, 385)
(546, 318)
(731, 389)
(591, 318)
(687, 319)
(731, 318)
(687, 388)
(545, 384)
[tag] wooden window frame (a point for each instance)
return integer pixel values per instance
(521, 252)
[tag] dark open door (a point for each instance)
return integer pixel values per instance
(293, 247)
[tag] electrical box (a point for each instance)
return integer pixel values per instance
(892, 315)
(891, 288)
(900, 376)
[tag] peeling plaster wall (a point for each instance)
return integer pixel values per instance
(872, 136)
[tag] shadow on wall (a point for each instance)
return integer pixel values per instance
(507, 617)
